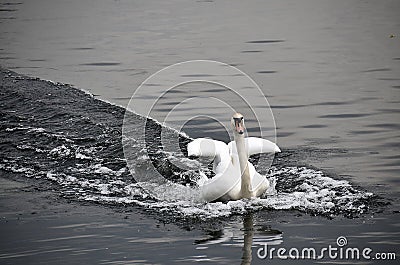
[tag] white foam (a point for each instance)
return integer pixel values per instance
(312, 191)
(28, 128)
(316, 193)
(82, 156)
(99, 169)
(60, 151)
(40, 130)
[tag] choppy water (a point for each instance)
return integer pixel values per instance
(71, 143)
(58, 133)
(330, 75)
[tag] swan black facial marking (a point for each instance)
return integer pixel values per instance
(238, 124)
(238, 120)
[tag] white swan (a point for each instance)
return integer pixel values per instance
(235, 177)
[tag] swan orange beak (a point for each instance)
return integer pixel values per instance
(239, 127)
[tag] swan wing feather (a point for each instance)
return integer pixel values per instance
(255, 145)
(207, 148)
(224, 186)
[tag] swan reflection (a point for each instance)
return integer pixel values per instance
(246, 235)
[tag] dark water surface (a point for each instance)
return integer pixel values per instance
(330, 71)
(68, 196)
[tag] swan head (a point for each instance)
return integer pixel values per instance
(237, 123)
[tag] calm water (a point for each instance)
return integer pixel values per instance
(330, 71)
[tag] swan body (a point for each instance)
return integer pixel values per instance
(235, 177)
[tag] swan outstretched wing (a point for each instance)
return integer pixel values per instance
(217, 150)
(256, 145)
(207, 148)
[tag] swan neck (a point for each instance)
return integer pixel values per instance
(241, 150)
(243, 162)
